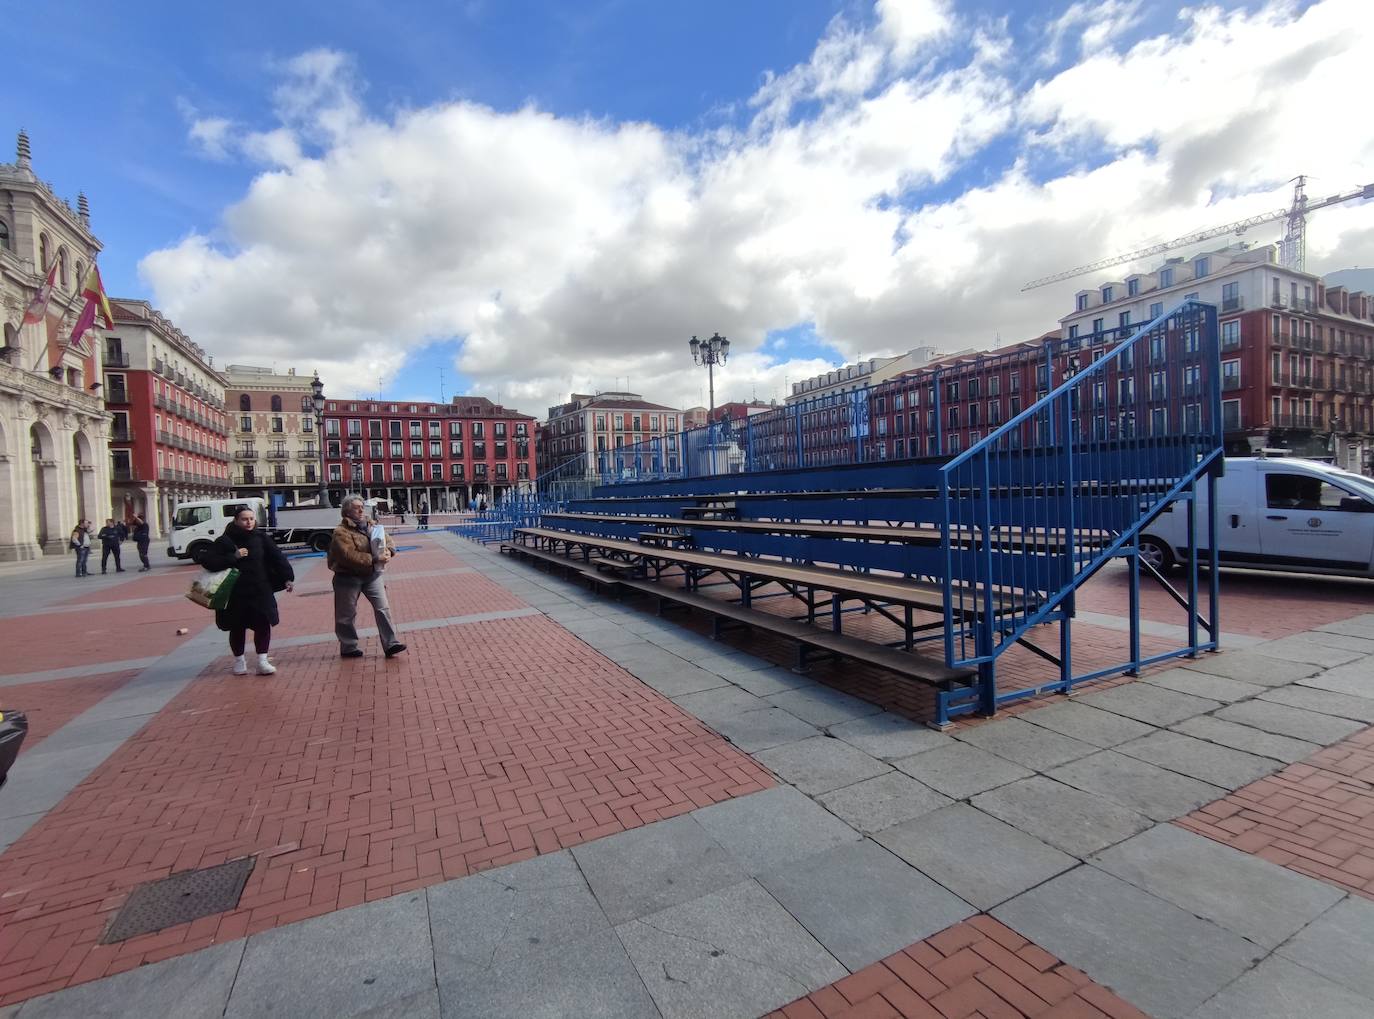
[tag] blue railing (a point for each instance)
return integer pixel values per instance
(1068, 484)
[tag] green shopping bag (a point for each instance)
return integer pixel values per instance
(212, 590)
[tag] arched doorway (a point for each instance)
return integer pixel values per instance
(45, 487)
(87, 501)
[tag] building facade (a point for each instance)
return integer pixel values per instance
(169, 437)
(54, 469)
(861, 375)
(273, 447)
(442, 456)
(606, 422)
(1297, 355)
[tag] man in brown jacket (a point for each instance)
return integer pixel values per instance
(358, 571)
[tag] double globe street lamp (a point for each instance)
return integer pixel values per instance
(710, 352)
(317, 404)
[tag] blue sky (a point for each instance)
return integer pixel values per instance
(538, 197)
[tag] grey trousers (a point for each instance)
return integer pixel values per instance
(346, 591)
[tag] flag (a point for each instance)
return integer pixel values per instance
(84, 321)
(38, 307)
(95, 290)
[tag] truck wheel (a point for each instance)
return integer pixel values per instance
(197, 549)
(320, 543)
(1158, 554)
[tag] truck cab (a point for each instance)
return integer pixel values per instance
(1276, 513)
(195, 525)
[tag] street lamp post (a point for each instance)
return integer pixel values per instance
(710, 352)
(317, 402)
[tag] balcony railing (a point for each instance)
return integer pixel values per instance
(160, 367)
(1293, 421)
(121, 435)
(123, 474)
(1230, 343)
(277, 454)
(116, 359)
(117, 394)
(1232, 304)
(245, 454)
(1230, 383)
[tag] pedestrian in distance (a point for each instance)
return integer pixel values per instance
(358, 570)
(142, 538)
(263, 571)
(423, 517)
(81, 544)
(122, 529)
(109, 546)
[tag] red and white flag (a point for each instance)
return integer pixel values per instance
(38, 307)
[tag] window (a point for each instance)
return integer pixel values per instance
(245, 424)
(500, 427)
(1082, 302)
(1156, 309)
(434, 429)
(331, 427)
(374, 449)
(415, 430)
(1230, 415)
(952, 391)
(1107, 294)
(456, 472)
(245, 402)
(1132, 287)
(393, 429)
(307, 424)
(335, 473)
(4, 235)
(954, 417)
(1097, 324)
(276, 403)
(601, 422)
(479, 470)
(479, 450)
(1073, 332)
(374, 429)
(417, 472)
(332, 449)
(1298, 491)
(1230, 334)
(377, 473)
(398, 472)
(477, 430)
(436, 472)
(417, 450)
(455, 429)
(436, 448)
(1124, 321)
(277, 425)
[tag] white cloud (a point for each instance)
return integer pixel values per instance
(569, 253)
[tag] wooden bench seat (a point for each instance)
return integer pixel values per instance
(845, 583)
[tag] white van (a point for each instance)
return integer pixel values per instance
(1296, 516)
(195, 525)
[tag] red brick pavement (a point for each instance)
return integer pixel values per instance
(978, 968)
(487, 743)
(1316, 818)
(63, 639)
(53, 704)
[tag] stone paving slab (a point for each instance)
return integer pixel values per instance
(1086, 723)
(1247, 738)
(1030, 746)
(981, 859)
(1285, 721)
(1356, 680)
(1200, 684)
(1250, 667)
(1357, 626)
(734, 952)
(343, 964)
(767, 829)
(1325, 702)
(754, 731)
(1364, 645)
(1207, 762)
(499, 916)
(592, 976)
(820, 764)
(673, 678)
(961, 770)
(1309, 652)
(643, 870)
(822, 706)
(1247, 895)
(1175, 961)
(1279, 989)
(1138, 785)
(719, 702)
(881, 802)
(1339, 945)
(889, 737)
(862, 903)
(766, 682)
(1070, 819)
(1150, 704)
(190, 987)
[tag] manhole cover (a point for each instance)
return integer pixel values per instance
(180, 898)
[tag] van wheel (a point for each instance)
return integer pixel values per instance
(1158, 554)
(320, 543)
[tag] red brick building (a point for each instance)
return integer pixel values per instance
(605, 422)
(440, 455)
(169, 438)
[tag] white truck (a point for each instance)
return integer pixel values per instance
(1276, 513)
(197, 524)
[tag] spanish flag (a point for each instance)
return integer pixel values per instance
(94, 290)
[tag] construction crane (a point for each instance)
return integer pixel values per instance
(1292, 249)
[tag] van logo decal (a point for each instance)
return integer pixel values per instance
(1314, 521)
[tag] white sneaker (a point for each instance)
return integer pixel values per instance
(240, 666)
(266, 668)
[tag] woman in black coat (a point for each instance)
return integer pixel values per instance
(263, 571)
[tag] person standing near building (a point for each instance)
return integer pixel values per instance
(81, 544)
(142, 538)
(423, 516)
(358, 571)
(263, 571)
(122, 529)
(109, 545)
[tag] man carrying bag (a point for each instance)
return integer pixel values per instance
(358, 571)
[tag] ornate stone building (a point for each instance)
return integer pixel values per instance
(273, 446)
(54, 431)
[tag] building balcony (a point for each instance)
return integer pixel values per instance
(245, 454)
(1282, 379)
(278, 454)
(161, 368)
(123, 474)
(1302, 421)
(117, 395)
(1230, 304)
(1230, 343)
(1230, 383)
(121, 435)
(308, 454)
(116, 359)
